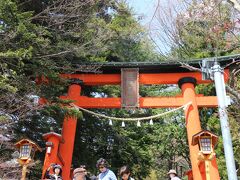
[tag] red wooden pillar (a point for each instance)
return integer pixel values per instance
(192, 121)
(66, 148)
(52, 143)
(193, 126)
(68, 134)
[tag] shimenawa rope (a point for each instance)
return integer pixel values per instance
(132, 119)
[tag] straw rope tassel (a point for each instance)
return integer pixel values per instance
(138, 124)
(110, 122)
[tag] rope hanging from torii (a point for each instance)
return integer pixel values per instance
(132, 119)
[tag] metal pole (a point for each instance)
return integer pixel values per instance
(222, 104)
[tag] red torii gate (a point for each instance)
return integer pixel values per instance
(62, 145)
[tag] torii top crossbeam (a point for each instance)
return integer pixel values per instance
(150, 73)
(170, 66)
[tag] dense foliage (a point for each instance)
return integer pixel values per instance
(51, 37)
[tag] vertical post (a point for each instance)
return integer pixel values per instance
(24, 171)
(52, 139)
(66, 148)
(227, 141)
(207, 169)
(68, 134)
(193, 126)
(192, 121)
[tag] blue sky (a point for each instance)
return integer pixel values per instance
(143, 8)
(146, 9)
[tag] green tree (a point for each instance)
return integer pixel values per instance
(51, 37)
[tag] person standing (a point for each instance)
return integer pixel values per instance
(57, 170)
(80, 173)
(125, 173)
(173, 175)
(105, 173)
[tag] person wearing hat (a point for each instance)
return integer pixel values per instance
(173, 175)
(57, 170)
(80, 173)
(106, 174)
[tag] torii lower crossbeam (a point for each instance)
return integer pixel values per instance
(145, 102)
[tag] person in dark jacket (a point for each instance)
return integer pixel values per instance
(125, 173)
(57, 170)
